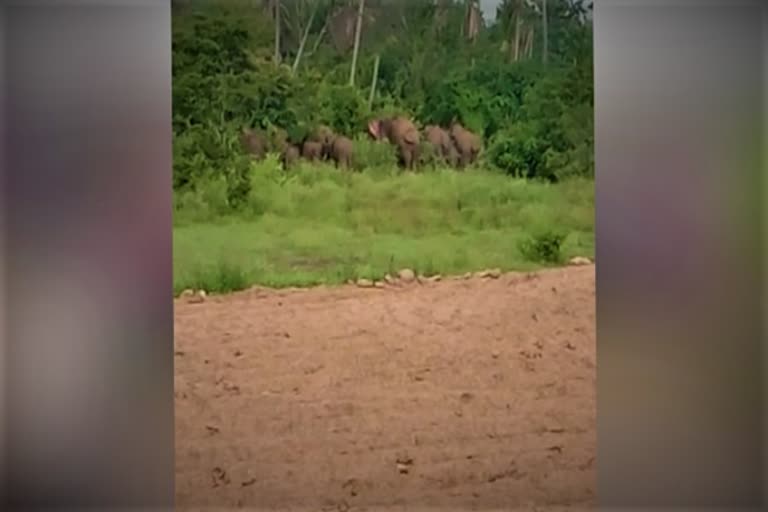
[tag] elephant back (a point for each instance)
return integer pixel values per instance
(405, 130)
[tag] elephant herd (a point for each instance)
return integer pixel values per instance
(455, 146)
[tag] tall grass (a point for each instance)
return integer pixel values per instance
(318, 225)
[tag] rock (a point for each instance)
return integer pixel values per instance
(468, 275)
(407, 275)
(197, 298)
(579, 260)
(378, 284)
(389, 279)
(365, 283)
(435, 278)
(493, 273)
(187, 293)
(403, 463)
(495, 354)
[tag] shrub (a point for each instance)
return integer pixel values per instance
(343, 108)
(543, 247)
(372, 154)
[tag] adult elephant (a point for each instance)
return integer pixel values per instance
(342, 151)
(402, 133)
(442, 144)
(255, 142)
(468, 144)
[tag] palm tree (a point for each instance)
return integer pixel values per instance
(515, 17)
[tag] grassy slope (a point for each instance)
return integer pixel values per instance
(322, 226)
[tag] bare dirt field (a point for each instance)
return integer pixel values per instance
(463, 393)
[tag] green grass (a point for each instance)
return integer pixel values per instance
(316, 225)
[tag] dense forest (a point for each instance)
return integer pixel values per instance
(524, 82)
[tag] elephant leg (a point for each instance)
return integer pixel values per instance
(446, 154)
(464, 158)
(402, 160)
(407, 158)
(413, 156)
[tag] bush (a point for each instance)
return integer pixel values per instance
(207, 201)
(343, 109)
(544, 247)
(372, 154)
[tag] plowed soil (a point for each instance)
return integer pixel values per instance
(462, 393)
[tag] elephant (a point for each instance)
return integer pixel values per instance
(342, 151)
(289, 155)
(254, 142)
(442, 144)
(402, 133)
(324, 136)
(312, 150)
(468, 144)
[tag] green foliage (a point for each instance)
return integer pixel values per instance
(342, 108)
(370, 154)
(544, 247)
(221, 277)
(536, 120)
(316, 225)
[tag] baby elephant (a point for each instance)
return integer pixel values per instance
(312, 150)
(289, 156)
(342, 150)
(442, 144)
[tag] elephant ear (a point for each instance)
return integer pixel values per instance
(411, 136)
(374, 128)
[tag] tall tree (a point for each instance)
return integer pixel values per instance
(356, 49)
(514, 18)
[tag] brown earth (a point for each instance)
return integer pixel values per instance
(476, 393)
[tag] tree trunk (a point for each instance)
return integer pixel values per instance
(545, 42)
(530, 42)
(531, 31)
(356, 49)
(319, 38)
(277, 31)
(303, 40)
(516, 45)
(525, 43)
(472, 21)
(441, 15)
